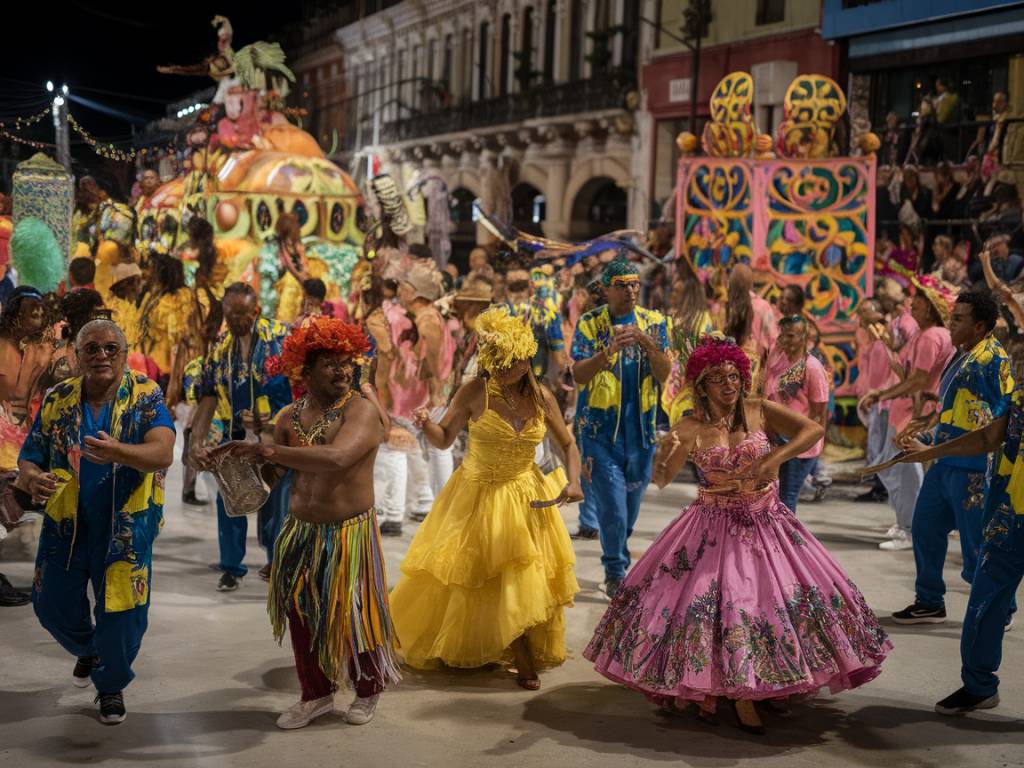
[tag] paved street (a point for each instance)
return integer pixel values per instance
(211, 682)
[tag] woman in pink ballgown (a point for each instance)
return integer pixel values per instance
(735, 598)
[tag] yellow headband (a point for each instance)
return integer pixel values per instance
(625, 279)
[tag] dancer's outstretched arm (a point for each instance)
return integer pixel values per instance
(561, 435)
(673, 450)
(468, 403)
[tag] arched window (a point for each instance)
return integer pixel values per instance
(506, 44)
(549, 42)
(482, 86)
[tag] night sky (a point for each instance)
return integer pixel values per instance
(108, 52)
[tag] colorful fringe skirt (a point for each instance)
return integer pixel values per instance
(332, 575)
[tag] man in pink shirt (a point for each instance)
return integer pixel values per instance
(923, 359)
(798, 381)
(873, 372)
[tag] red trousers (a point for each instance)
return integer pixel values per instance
(315, 685)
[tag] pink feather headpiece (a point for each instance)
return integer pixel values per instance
(715, 350)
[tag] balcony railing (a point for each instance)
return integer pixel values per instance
(607, 92)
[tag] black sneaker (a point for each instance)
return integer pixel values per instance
(10, 596)
(83, 669)
(192, 499)
(585, 534)
(963, 701)
(265, 572)
(391, 528)
(918, 614)
(228, 583)
(418, 517)
(112, 709)
(610, 587)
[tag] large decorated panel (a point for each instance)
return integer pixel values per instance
(797, 215)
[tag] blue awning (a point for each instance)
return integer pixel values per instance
(961, 30)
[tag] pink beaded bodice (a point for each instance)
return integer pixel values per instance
(720, 466)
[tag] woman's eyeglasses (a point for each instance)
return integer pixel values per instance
(109, 350)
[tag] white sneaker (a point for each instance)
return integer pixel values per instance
(892, 531)
(900, 540)
(361, 711)
(302, 713)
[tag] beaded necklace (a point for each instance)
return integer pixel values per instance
(315, 435)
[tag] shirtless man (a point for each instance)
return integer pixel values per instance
(329, 438)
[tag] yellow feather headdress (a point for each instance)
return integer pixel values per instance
(503, 339)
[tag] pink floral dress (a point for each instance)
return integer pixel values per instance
(736, 598)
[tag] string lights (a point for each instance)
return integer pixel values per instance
(108, 151)
(17, 139)
(25, 122)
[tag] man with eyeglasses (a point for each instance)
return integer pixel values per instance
(96, 456)
(622, 362)
(238, 390)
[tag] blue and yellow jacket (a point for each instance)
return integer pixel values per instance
(54, 444)
(599, 403)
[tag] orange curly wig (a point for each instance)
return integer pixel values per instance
(321, 334)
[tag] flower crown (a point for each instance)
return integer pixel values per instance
(713, 350)
(321, 334)
(503, 339)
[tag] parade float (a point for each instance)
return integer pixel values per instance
(246, 167)
(791, 207)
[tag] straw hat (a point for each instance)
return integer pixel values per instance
(125, 272)
(475, 289)
(939, 293)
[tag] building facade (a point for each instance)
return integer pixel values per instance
(536, 101)
(773, 40)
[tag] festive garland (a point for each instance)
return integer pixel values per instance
(108, 151)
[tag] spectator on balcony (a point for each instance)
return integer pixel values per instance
(946, 102)
(926, 140)
(946, 200)
(886, 208)
(950, 265)
(894, 142)
(992, 135)
(920, 196)
(998, 263)
(1004, 217)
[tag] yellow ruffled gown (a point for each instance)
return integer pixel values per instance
(485, 567)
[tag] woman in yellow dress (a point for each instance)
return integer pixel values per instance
(491, 568)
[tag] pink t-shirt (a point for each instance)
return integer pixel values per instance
(873, 371)
(407, 392)
(763, 328)
(929, 351)
(813, 389)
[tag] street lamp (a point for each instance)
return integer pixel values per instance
(49, 86)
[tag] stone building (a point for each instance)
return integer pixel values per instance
(533, 100)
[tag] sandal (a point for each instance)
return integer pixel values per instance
(529, 683)
(707, 710)
(747, 718)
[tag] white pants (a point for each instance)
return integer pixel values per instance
(903, 481)
(406, 482)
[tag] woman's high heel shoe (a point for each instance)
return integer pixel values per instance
(707, 710)
(747, 718)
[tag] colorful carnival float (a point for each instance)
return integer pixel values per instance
(791, 207)
(264, 184)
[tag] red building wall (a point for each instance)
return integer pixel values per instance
(805, 47)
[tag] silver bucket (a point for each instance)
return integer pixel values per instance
(240, 485)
